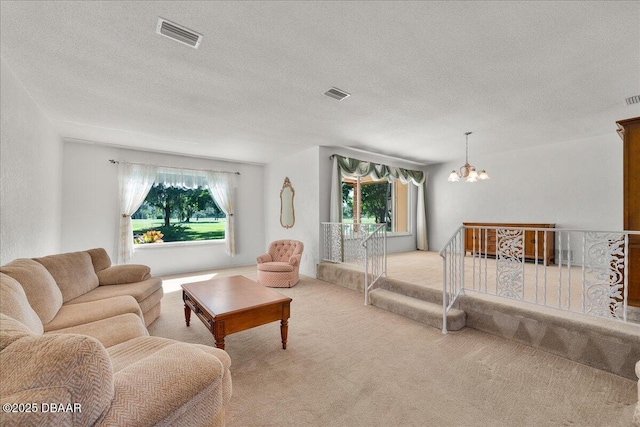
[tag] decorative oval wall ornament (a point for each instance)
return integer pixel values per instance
(287, 213)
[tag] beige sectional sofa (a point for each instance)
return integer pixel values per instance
(74, 349)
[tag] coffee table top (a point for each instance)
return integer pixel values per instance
(227, 295)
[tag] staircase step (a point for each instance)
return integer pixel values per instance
(343, 275)
(421, 311)
(411, 290)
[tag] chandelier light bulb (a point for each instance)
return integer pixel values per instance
(473, 175)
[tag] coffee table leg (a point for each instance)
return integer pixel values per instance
(219, 333)
(284, 329)
(284, 324)
(187, 314)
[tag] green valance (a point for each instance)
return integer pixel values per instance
(377, 171)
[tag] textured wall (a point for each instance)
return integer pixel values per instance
(30, 184)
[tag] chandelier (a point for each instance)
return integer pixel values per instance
(467, 171)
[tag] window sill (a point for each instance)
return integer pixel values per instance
(166, 245)
(403, 234)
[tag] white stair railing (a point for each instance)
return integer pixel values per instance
(375, 247)
(364, 245)
(580, 271)
(452, 273)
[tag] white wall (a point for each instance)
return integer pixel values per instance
(302, 171)
(573, 185)
(394, 243)
(91, 209)
(30, 166)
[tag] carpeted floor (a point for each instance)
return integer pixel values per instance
(351, 365)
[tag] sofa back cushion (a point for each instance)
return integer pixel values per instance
(11, 330)
(100, 259)
(14, 303)
(73, 272)
(38, 284)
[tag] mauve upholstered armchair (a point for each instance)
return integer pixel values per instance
(279, 267)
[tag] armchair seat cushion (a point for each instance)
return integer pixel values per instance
(275, 266)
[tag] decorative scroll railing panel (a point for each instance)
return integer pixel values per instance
(587, 275)
(364, 245)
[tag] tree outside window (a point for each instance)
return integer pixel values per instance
(178, 214)
(366, 201)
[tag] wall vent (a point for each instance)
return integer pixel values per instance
(336, 93)
(178, 33)
(632, 100)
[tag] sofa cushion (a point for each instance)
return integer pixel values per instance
(14, 303)
(164, 389)
(99, 258)
(38, 284)
(11, 330)
(73, 367)
(138, 290)
(73, 272)
(87, 312)
(120, 274)
(109, 332)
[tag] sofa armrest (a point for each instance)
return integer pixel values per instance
(295, 260)
(56, 369)
(122, 274)
(264, 258)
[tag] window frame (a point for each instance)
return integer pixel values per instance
(357, 185)
(177, 243)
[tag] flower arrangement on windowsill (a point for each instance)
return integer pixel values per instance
(151, 236)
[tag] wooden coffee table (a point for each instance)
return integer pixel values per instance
(233, 304)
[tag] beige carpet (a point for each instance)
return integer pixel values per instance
(351, 365)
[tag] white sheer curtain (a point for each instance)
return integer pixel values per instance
(222, 187)
(135, 180)
(335, 209)
(421, 217)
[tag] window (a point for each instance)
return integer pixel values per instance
(178, 214)
(367, 201)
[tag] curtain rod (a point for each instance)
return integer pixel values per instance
(115, 162)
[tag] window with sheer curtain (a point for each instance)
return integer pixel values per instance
(161, 204)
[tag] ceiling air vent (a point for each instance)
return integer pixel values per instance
(632, 100)
(178, 33)
(336, 93)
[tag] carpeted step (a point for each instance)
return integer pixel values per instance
(411, 290)
(341, 274)
(421, 311)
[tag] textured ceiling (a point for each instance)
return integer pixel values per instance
(517, 74)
